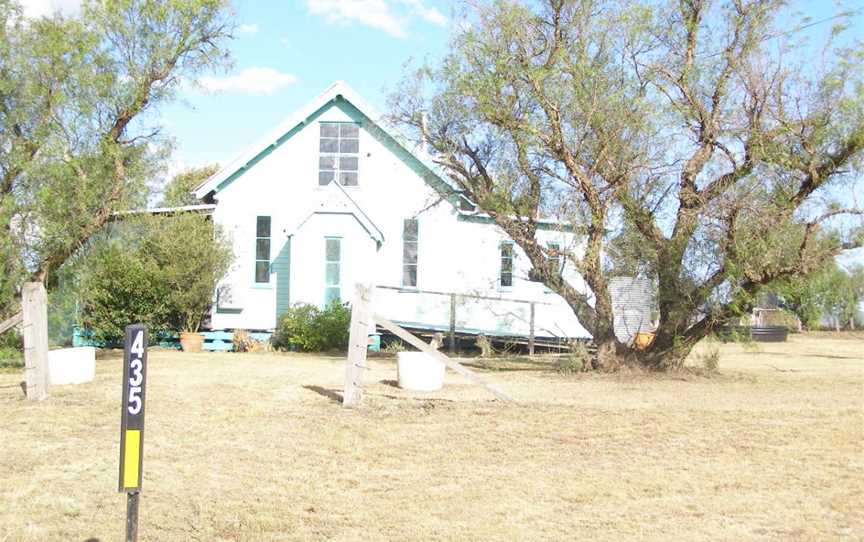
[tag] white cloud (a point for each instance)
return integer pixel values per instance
(247, 29)
(255, 80)
(429, 14)
(391, 16)
(39, 8)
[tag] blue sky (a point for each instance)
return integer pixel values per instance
(287, 51)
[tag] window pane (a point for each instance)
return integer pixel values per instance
(329, 129)
(327, 162)
(262, 249)
(263, 227)
(332, 274)
(325, 177)
(348, 163)
(329, 145)
(262, 272)
(333, 250)
(409, 229)
(506, 279)
(350, 146)
(409, 275)
(348, 178)
(331, 295)
(349, 130)
(409, 253)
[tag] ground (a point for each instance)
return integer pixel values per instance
(255, 447)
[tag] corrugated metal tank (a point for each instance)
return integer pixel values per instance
(632, 305)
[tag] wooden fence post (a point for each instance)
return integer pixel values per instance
(34, 312)
(452, 324)
(358, 343)
(531, 333)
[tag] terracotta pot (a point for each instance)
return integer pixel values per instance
(643, 340)
(191, 342)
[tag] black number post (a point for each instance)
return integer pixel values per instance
(132, 423)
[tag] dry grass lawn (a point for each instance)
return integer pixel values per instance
(254, 447)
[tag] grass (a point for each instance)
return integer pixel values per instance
(255, 447)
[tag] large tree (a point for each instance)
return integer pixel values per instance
(694, 128)
(179, 191)
(76, 135)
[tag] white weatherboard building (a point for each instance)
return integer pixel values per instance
(333, 197)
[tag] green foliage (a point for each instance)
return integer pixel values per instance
(310, 329)
(660, 131)
(393, 347)
(75, 141)
(828, 292)
(710, 359)
(178, 191)
(121, 289)
(159, 270)
(11, 350)
(576, 361)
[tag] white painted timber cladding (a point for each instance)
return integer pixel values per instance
(632, 302)
(454, 256)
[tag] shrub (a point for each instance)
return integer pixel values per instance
(393, 347)
(310, 329)
(159, 271)
(575, 361)
(243, 342)
(121, 289)
(710, 360)
(11, 350)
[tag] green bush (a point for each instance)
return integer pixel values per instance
(11, 350)
(310, 329)
(160, 271)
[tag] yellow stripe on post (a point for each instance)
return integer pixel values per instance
(130, 458)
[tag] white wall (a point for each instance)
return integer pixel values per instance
(454, 256)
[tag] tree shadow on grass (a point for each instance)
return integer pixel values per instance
(324, 392)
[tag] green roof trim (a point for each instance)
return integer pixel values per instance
(544, 226)
(372, 128)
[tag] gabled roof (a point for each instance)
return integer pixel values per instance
(334, 93)
(335, 200)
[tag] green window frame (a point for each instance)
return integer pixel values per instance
(332, 270)
(558, 258)
(410, 246)
(262, 249)
(505, 276)
(339, 153)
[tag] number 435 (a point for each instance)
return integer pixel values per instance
(135, 376)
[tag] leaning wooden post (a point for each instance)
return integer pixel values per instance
(34, 312)
(531, 333)
(452, 324)
(358, 343)
(432, 351)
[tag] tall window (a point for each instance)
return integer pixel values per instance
(556, 259)
(262, 250)
(506, 277)
(410, 240)
(333, 270)
(339, 153)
